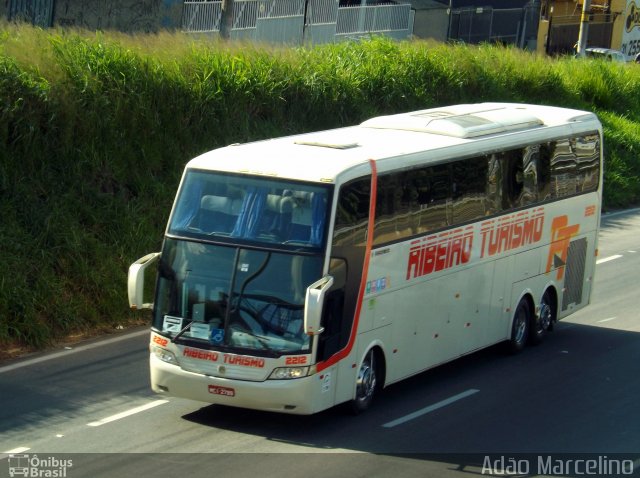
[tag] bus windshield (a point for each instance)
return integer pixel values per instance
(234, 298)
(232, 208)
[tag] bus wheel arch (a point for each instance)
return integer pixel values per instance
(369, 379)
(521, 323)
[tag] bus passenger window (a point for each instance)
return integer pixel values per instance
(469, 179)
(432, 190)
(563, 169)
(494, 185)
(544, 170)
(352, 214)
(529, 193)
(513, 179)
(392, 221)
(587, 149)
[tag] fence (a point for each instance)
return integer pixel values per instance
(564, 32)
(322, 12)
(379, 19)
(201, 17)
(37, 12)
(297, 21)
(517, 26)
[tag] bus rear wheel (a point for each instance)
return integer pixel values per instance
(544, 321)
(366, 383)
(520, 327)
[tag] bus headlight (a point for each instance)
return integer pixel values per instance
(164, 355)
(286, 373)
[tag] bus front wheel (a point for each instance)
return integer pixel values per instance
(366, 383)
(521, 326)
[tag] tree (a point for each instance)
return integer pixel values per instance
(226, 19)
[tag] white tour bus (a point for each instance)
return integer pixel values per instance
(302, 272)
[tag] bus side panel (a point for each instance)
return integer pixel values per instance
(590, 266)
(576, 277)
(413, 308)
(568, 259)
(437, 338)
(376, 316)
(326, 388)
(574, 286)
(473, 314)
(345, 376)
(438, 320)
(499, 324)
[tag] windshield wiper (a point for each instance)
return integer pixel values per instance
(252, 277)
(182, 331)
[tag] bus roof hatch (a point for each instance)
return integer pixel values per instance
(458, 122)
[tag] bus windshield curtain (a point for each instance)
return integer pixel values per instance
(189, 205)
(251, 213)
(318, 214)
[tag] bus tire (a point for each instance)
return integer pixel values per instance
(520, 327)
(366, 383)
(543, 322)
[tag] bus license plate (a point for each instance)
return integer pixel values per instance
(226, 391)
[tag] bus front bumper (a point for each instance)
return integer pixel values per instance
(294, 396)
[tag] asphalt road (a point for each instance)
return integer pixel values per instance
(578, 393)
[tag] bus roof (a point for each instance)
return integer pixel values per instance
(324, 156)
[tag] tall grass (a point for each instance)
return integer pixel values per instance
(96, 128)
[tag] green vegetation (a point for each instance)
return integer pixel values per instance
(96, 128)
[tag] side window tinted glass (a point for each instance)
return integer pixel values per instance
(422, 200)
(352, 213)
(563, 168)
(469, 189)
(587, 149)
(432, 188)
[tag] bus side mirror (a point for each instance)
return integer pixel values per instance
(135, 283)
(314, 301)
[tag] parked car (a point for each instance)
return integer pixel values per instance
(605, 54)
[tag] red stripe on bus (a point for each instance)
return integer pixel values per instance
(365, 272)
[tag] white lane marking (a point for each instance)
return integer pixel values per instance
(15, 451)
(20, 449)
(82, 348)
(607, 320)
(607, 259)
(430, 408)
(620, 213)
(128, 413)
